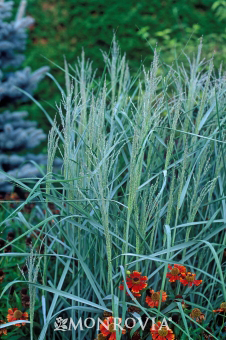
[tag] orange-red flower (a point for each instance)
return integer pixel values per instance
(121, 287)
(153, 298)
(195, 313)
(109, 328)
(189, 279)
(175, 272)
(159, 332)
(222, 308)
(135, 282)
(15, 314)
(2, 330)
(201, 318)
(134, 294)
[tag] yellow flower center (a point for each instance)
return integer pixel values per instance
(111, 328)
(17, 314)
(163, 331)
(101, 337)
(136, 280)
(155, 297)
(175, 271)
(190, 278)
(196, 313)
(223, 306)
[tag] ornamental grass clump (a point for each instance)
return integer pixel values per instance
(133, 227)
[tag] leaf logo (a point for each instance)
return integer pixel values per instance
(60, 324)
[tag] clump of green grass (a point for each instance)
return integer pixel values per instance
(142, 187)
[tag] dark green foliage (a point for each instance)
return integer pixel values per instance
(65, 27)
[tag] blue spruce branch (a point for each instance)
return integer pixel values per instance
(16, 133)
